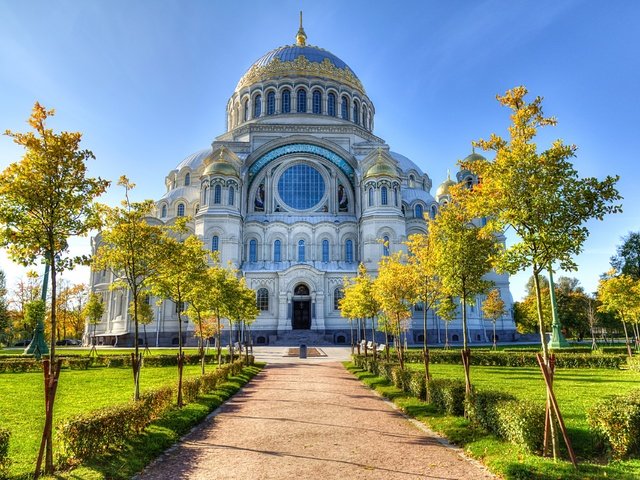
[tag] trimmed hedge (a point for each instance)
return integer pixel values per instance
(482, 409)
(616, 422)
(417, 385)
(521, 422)
(91, 434)
(5, 435)
(448, 395)
(519, 359)
(634, 363)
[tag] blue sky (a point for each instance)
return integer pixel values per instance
(147, 81)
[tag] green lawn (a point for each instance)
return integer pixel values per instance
(22, 401)
(576, 389)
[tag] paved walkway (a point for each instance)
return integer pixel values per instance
(310, 419)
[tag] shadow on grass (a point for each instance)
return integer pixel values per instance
(159, 436)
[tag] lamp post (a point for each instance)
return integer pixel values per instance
(38, 345)
(557, 338)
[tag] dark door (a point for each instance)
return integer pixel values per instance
(301, 315)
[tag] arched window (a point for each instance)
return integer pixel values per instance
(385, 246)
(262, 299)
(164, 211)
(217, 194)
(356, 112)
(286, 100)
(371, 196)
(246, 110)
(412, 181)
(338, 294)
(348, 251)
(317, 102)
(364, 115)
(331, 105)
(325, 250)
(187, 179)
(232, 195)
(395, 196)
(383, 196)
(181, 209)
(302, 100)
(215, 241)
(257, 106)
(301, 251)
(271, 102)
(276, 251)
(205, 195)
(345, 107)
(469, 182)
(419, 212)
(434, 211)
(253, 250)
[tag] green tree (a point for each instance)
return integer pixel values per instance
(620, 294)
(359, 302)
(446, 310)
(145, 316)
(45, 198)
(422, 258)
(185, 261)
(627, 257)
(93, 312)
(395, 290)
(131, 247)
(5, 319)
(541, 197)
(464, 254)
(242, 310)
(493, 308)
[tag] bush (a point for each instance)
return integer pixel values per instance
(400, 378)
(157, 401)
(521, 422)
(4, 452)
(417, 385)
(482, 409)
(616, 422)
(447, 395)
(190, 390)
(113, 361)
(77, 363)
(22, 364)
(385, 370)
(634, 363)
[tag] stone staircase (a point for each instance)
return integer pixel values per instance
(295, 338)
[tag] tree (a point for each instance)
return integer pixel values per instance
(422, 258)
(243, 309)
(446, 309)
(5, 319)
(627, 257)
(620, 294)
(493, 308)
(464, 254)
(130, 247)
(542, 198)
(145, 316)
(395, 290)
(45, 198)
(93, 312)
(359, 302)
(185, 261)
(26, 290)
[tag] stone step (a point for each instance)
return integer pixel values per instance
(296, 338)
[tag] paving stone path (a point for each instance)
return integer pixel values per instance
(310, 420)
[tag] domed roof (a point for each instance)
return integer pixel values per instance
(190, 194)
(299, 59)
(474, 157)
(405, 163)
(381, 168)
(194, 160)
(444, 187)
(219, 166)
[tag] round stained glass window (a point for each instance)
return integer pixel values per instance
(301, 187)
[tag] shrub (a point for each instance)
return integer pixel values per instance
(115, 361)
(190, 389)
(385, 370)
(448, 395)
(482, 409)
(400, 378)
(22, 364)
(417, 385)
(77, 363)
(157, 401)
(521, 422)
(634, 363)
(4, 452)
(617, 423)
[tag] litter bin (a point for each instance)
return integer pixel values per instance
(303, 351)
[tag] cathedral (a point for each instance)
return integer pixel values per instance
(296, 194)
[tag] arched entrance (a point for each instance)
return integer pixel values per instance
(301, 311)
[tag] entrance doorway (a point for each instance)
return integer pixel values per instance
(301, 315)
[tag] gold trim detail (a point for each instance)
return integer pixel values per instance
(300, 67)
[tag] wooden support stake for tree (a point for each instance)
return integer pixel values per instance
(556, 409)
(547, 409)
(50, 387)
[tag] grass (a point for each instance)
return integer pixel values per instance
(576, 389)
(22, 411)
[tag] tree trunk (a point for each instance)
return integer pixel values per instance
(201, 345)
(48, 468)
(425, 348)
(466, 353)
(626, 337)
(495, 344)
(51, 376)
(219, 339)
(373, 337)
(180, 355)
(135, 364)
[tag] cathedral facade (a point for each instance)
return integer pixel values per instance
(296, 194)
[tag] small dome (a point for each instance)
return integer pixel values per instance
(219, 166)
(380, 169)
(474, 157)
(444, 187)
